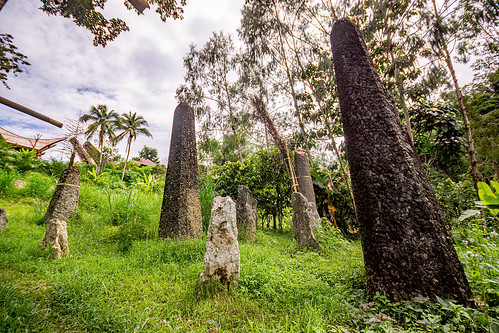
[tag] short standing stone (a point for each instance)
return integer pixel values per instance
(302, 169)
(407, 245)
(56, 237)
(181, 210)
(4, 220)
(246, 214)
(64, 202)
(304, 217)
(221, 261)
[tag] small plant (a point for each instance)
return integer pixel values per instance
(489, 200)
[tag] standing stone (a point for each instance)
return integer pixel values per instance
(302, 169)
(408, 248)
(304, 217)
(221, 261)
(56, 237)
(181, 211)
(4, 220)
(64, 202)
(80, 151)
(246, 214)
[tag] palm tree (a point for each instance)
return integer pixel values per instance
(132, 125)
(103, 122)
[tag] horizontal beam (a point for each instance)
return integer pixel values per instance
(32, 113)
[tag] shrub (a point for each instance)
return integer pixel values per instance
(6, 179)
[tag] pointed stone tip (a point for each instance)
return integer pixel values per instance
(183, 105)
(341, 26)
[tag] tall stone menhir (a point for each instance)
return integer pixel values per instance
(181, 211)
(408, 249)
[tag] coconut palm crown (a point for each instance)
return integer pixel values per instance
(132, 125)
(102, 121)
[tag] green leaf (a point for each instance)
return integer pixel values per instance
(468, 213)
(486, 195)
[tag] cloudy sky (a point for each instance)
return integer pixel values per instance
(137, 72)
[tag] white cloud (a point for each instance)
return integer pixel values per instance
(138, 72)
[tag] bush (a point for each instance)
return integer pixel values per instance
(39, 186)
(6, 179)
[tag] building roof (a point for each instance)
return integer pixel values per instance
(40, 145)
(146, 162)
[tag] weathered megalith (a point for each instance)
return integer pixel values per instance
(302, 169)
(305, 216)
(80, 151)
(246, 214)
(4, 220)
(56, 237)
(181, 210)
(64, 202)
(221, 261)
(93, 152)
(305, 184)
(408, 248)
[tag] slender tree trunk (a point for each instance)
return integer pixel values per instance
(477, 176)
(291, 86)
(343, 171)
(129, 142)
(101, 139)
(233, 121)
(399, 84)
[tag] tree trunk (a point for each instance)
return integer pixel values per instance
(129, 142)
(407, 246)
(233, 121)
(101, 139)
(399, 84)
(477, 176)
(292, 88)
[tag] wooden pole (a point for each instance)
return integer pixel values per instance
(32, 113)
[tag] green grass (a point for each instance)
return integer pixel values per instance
(150, 285)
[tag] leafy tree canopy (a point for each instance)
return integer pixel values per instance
(84, 13)
(148, 153)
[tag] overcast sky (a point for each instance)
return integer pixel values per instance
(137, 72)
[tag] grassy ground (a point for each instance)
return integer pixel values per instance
(118, 277)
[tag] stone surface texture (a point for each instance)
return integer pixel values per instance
(80, 151)
(222, 261)
(246, 214)
(302, 169)
(94, 153)
(304, 217)
(4, 220)
(408, 248)
(181, 210)
(64, 202)
(56, 237)
(305, 184)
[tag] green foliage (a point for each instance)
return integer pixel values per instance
(6, 179)
(264, 174)
(148, 153)
(439, 137)
(53, 167)
(207, 188)
(84, 13)
(11, 60)
(454, 196)
(478, 250)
